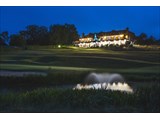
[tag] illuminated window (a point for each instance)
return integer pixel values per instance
(116, 37)
(112, 37)
(122, 35)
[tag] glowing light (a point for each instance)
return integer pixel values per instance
(104, 41)
(59, 46)
(124, 87)
(122, 35)
(105, 37)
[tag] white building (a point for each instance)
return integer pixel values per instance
(115, 38)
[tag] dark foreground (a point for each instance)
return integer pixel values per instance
(66, 67)
(60, 100)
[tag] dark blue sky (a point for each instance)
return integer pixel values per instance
(86, 19)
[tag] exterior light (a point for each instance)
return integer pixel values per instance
(126, 36)
(59, 46)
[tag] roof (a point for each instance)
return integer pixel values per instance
(113, 32)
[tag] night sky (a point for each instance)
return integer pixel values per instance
(86, 19)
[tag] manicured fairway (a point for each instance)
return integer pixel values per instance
(80, 59)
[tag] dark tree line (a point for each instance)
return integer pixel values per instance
(41, 35)
(143, 39)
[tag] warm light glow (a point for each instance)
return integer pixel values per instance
(103, 41)
(122, 35)
(124, 87)
(59, 46)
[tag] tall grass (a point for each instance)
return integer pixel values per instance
(59, 100)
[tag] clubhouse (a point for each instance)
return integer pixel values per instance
(104, 39)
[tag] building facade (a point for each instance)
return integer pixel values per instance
(104, 39)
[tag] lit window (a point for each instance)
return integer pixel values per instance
(122, 35)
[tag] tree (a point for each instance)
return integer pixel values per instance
(39, 35)
(72, 33)
(17, 40)
(24, 35)
(143, 36)
(2, 43)
(63, 34)
(36, 35)
(4, 38)
(151, 41)
(141, 39)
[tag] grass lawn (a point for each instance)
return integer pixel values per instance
(80, 59)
